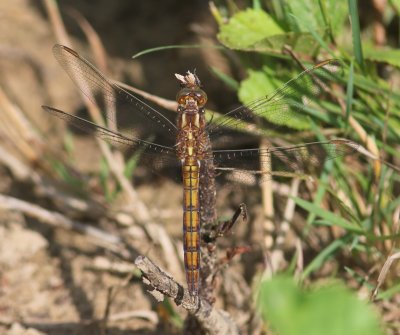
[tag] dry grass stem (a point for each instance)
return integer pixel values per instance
(391, 258)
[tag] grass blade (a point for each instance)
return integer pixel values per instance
(319, 260)
(177, 46)
(355, 29)
(349, 92)
(330, 218)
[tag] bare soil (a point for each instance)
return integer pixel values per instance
(47, 281)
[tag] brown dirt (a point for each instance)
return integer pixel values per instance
(46, 284)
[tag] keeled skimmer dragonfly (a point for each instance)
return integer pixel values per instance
(190, 139)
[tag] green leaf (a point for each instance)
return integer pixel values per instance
(327, 310)
(255, 30)
(261, 83)
(258, 84)
(299, 42)
(330, 218)
(305, 14)
(336, 13)
(248, 27)
(383, 55)
(322, 15)
(396, 4)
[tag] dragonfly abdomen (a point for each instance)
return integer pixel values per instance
(191, 223)
(207, 189)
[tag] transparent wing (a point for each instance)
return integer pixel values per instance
(249, 165)
(158, 153)
(108, 95)
(291, 100)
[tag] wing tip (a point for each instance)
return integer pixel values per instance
(60, 47)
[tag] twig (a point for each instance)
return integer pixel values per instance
(103, 264)
(18, 169)
(139, 314)
(94, 40)
(56, 21)
(213, 321)
(276, 255)
(17, 128)
(46, 189)
(267, 197)
(288, 213)
(104, 320)
(165, 103)
(97, 236)
(391, 258)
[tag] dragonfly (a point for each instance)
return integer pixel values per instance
(188, 143)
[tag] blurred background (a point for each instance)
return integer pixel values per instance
(75, 214)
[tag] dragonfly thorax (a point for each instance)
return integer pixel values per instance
(192, 140)
(191, 136)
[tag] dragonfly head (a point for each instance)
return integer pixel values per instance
(187, 96)
(190, 92)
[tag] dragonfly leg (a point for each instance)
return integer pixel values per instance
(211, 232)
(226, 225)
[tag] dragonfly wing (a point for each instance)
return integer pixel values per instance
(108, 95)
(249, 165)
(112, 137)
(287, 102)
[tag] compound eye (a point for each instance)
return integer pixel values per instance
(201, 98)
(182, 96)
(181, 99)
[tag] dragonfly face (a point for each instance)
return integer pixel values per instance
(191, 96)
(190, 139)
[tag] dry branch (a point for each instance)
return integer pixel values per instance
(97, 236)
(213, 321)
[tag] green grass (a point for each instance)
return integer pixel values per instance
(360, 204)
